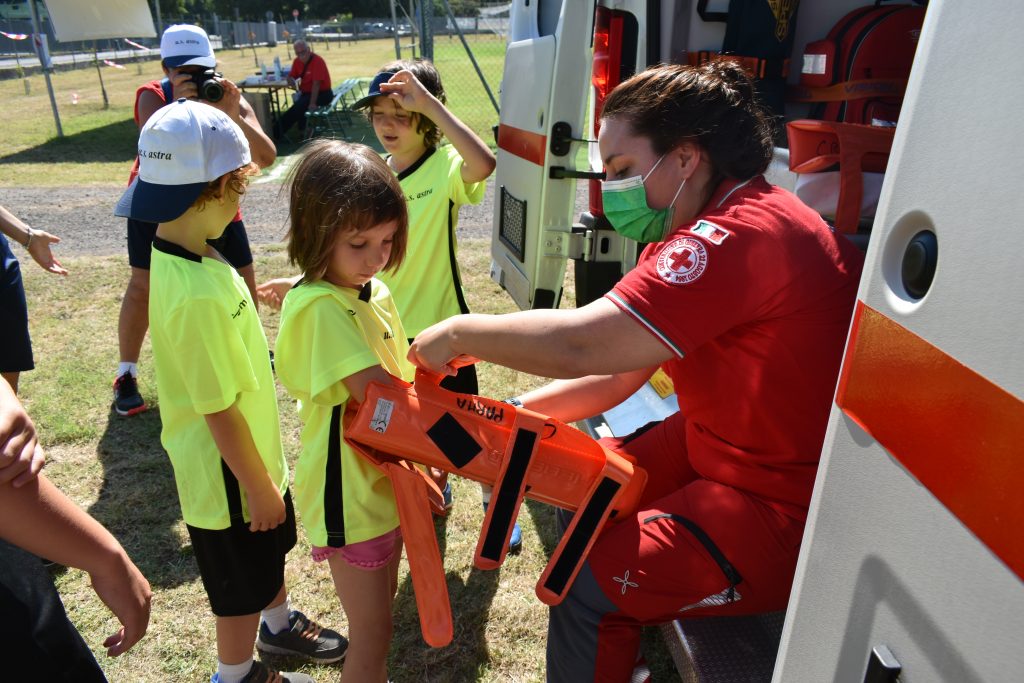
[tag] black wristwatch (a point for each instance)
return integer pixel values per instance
(514, 401)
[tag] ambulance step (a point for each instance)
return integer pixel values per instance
(725, 649)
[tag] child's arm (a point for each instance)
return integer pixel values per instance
(43, 521)
(356, 383)
(234, 440)
(477, 160)
(272, 292)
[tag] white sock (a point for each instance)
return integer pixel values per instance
(485, 493)
(277, 617)
(233, 673)
(124, 367)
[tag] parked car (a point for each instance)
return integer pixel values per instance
(377, 28)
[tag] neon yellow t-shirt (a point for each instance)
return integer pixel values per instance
(329, 333)
(427, 287)
(209, 352)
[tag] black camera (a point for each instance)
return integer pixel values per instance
(207, 87)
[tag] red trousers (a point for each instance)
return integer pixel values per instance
(695, 548)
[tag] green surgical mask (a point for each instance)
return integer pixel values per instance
(626, 208)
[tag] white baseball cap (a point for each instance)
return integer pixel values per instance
(184, 45)
(182, 148)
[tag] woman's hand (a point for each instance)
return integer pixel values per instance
(432, 349)
(39, 248)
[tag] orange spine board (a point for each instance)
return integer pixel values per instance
(417, 423)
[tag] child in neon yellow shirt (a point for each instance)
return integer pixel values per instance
(218, 404)
(339, 331)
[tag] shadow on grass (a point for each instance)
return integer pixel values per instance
(545, 524)
(467, 653)
(115, 142)
(355, 128)
(138, 500)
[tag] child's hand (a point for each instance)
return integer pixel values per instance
(266, 508)
(272, 292)
(128, 595)
(21, 456)
(182, 85)
(405, 89)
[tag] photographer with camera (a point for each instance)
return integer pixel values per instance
(189, 68)
(312, 81)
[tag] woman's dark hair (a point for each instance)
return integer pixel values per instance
(427, 74)
(339, 187)
(713, 105)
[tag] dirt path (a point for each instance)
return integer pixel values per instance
(83, 216)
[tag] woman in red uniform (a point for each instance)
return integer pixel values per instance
(743, 296)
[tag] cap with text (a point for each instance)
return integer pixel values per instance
(182, 148)
(186, 45)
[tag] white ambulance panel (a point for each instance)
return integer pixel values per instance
(914, 548)
(543, 105)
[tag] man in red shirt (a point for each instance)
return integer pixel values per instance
(309, 74)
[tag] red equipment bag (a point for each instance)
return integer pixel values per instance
(856, 77)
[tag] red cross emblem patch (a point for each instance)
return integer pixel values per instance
(682, 260)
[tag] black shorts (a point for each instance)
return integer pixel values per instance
(35, 630)
(233, 245)
(243, 570)
(15, 343)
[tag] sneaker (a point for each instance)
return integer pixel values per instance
(127, 399)
(261, 673)
(446, 494)
(641, 672)
(305, 638)
(515, 541)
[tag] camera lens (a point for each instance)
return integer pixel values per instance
(212, 91)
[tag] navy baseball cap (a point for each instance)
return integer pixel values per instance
(374, 91)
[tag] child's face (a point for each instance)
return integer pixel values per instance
(396, 127)
(358, 256)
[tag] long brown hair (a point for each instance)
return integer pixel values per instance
(713, 105)
(340, 187)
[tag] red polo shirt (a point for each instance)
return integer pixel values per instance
(315, 71)
(754, 297)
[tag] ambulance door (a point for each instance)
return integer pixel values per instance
(543, 106)
(912, 564)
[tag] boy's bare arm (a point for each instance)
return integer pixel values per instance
(261, 147)
(43, 521)
(234, 440)
(477, 159)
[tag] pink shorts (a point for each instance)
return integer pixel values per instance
(370, 554)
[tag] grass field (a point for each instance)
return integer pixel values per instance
(99, 143)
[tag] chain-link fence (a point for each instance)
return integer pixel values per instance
(468, 50)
